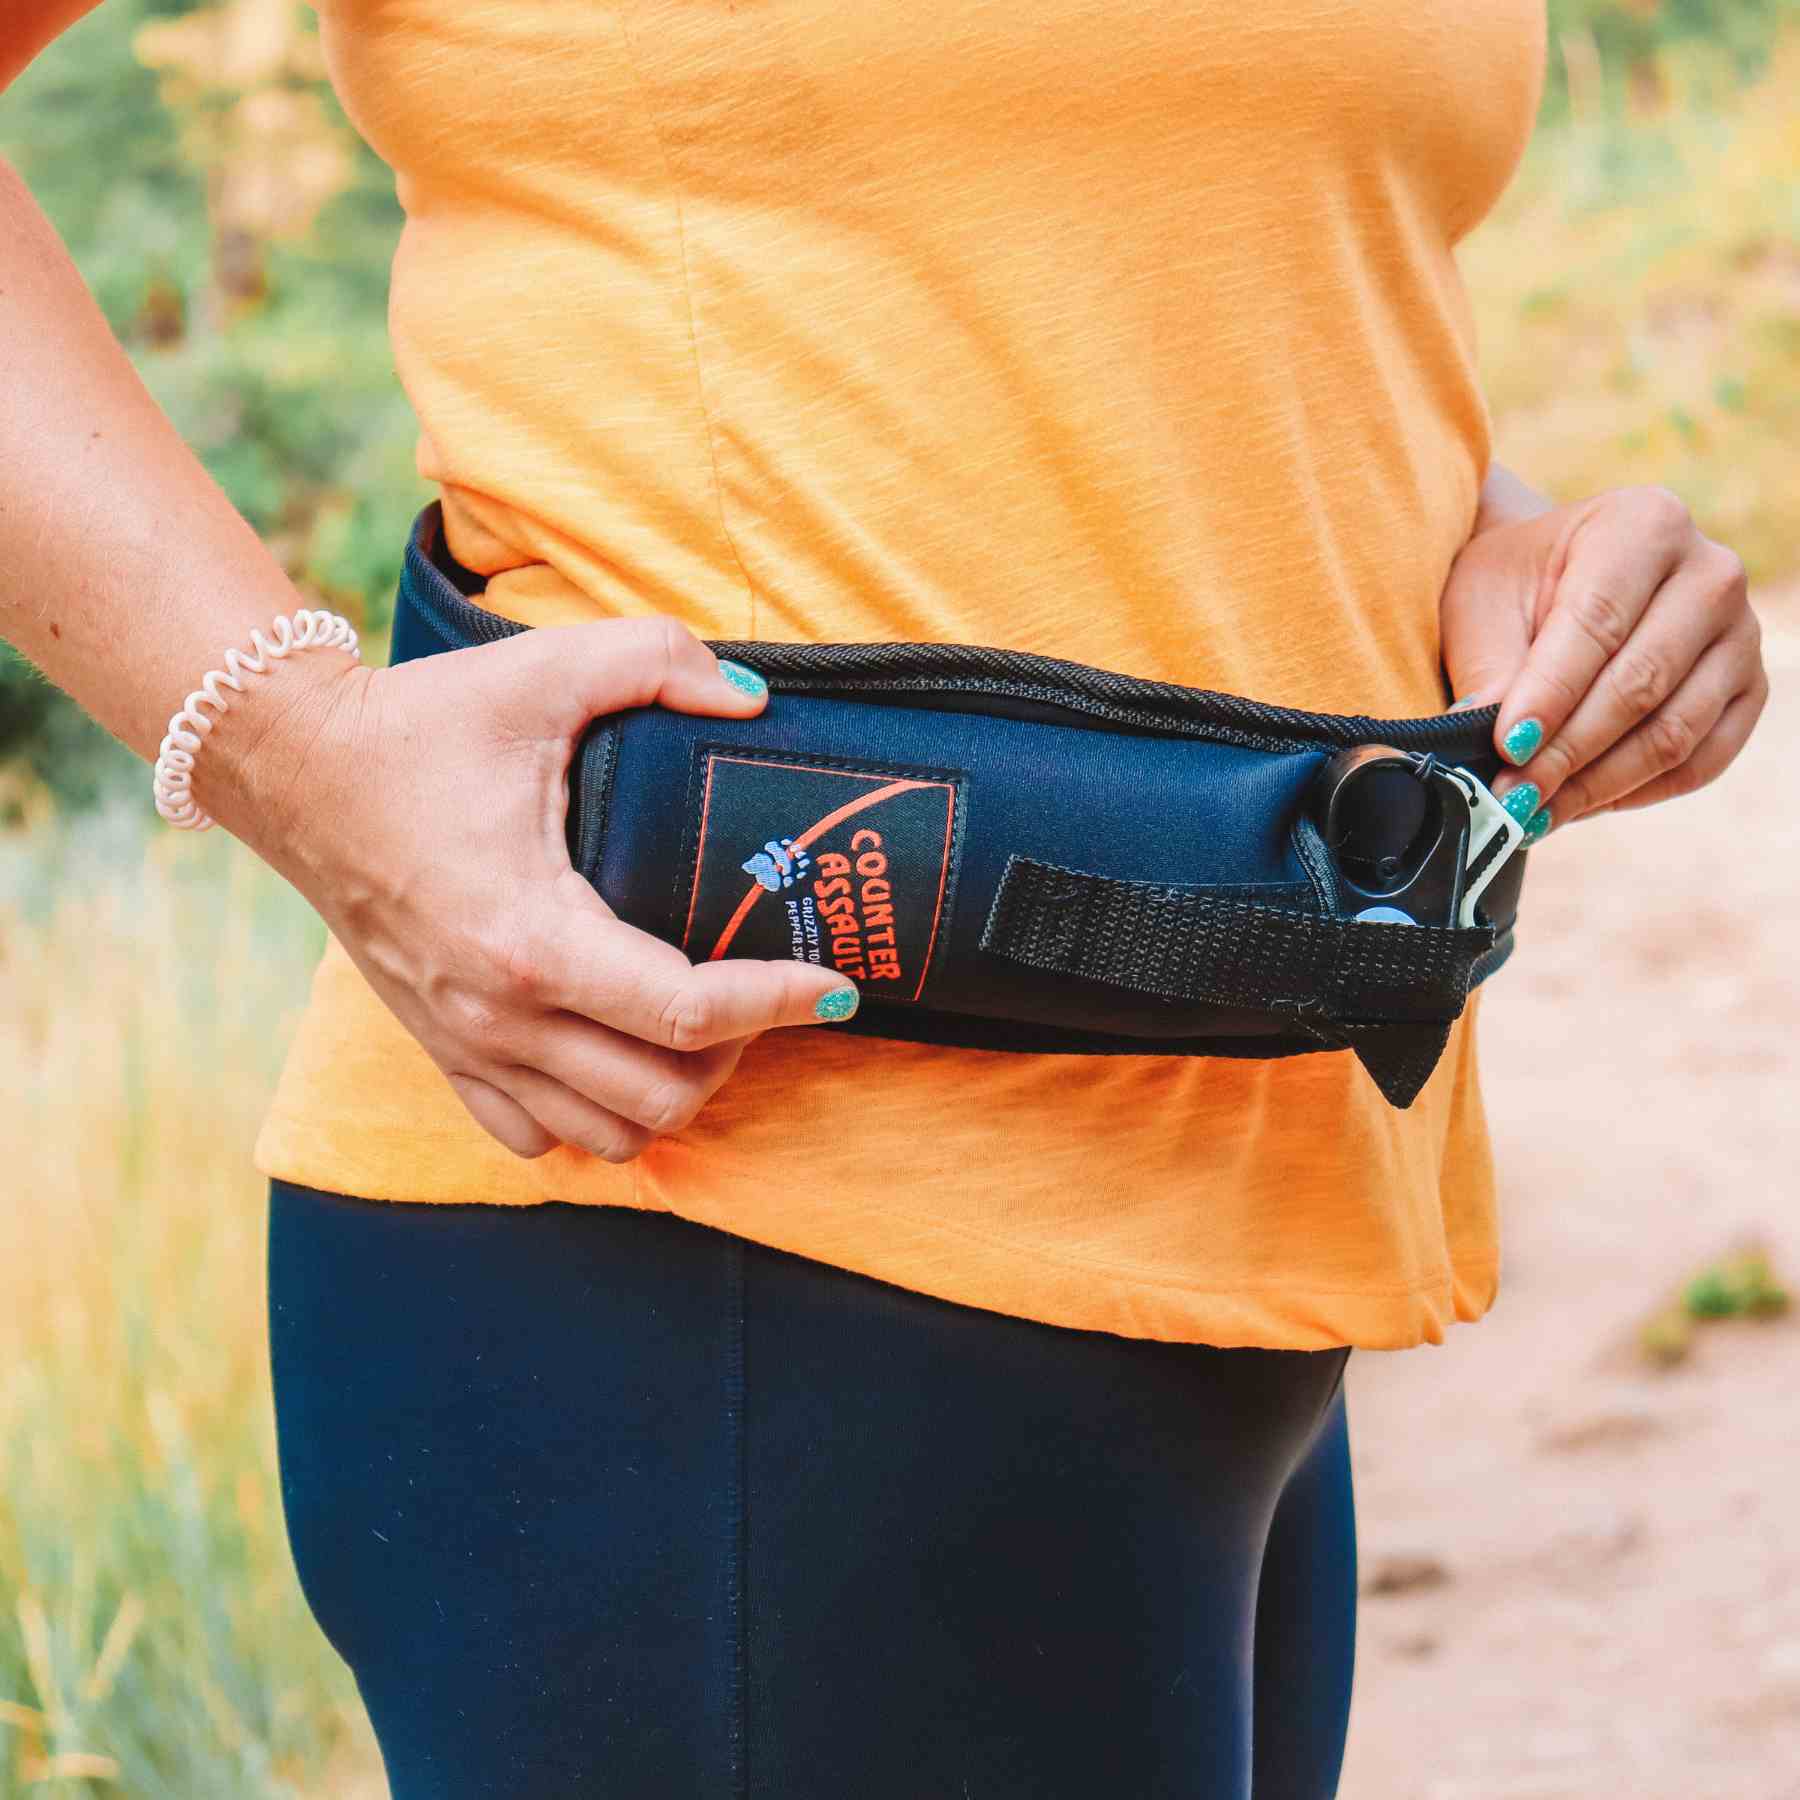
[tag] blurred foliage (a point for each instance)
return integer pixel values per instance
(48, 745)
(1628, 41)
(1740, 1285)
(237, 233)
(1637, 297)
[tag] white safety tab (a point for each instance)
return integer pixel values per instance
(1488, 819)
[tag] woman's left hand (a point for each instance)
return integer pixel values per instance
(1620, 644)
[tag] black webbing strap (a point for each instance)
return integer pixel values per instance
(1386, 991)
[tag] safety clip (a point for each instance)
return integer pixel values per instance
(1494, 834)
(1413, 838)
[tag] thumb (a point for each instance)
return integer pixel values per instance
(569, 674)
(1485, 617)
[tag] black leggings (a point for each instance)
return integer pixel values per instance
(600, 1502)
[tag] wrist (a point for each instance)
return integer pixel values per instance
(275, 759)
(1506, 500)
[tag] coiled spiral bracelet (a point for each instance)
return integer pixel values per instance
(172, 778)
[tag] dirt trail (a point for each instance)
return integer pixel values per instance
(1617, 1610)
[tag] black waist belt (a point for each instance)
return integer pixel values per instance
(1008, 852)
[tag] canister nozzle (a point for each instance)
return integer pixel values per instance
(1397, 827)
(1412, 838)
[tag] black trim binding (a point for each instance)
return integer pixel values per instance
(1018, 683)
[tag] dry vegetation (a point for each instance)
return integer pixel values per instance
(1637, 296)
(153, 1640)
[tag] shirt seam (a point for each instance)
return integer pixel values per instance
(687, 295)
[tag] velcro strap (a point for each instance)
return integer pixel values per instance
(1204, 945)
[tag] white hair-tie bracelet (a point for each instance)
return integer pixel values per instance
(172, 778)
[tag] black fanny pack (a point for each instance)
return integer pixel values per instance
(1009, 852)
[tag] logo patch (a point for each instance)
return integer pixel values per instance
(841, 866)
(776, 866)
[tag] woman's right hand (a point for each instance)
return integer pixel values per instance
(421, 809)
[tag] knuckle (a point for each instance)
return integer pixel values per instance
(662, 636)
(1603, 618)
(1565, 689)
(1671, 739)
(624, 1143)
(687, 1019)
(1742, 640)
(670, 1103)
(475, 1016)
(1731, 580)
(525, 966)
(1640, 679)
(1686, 779)
(1661, 509)
(676, 637)
(1552, 766)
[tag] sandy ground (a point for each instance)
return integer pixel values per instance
(1592, 1568)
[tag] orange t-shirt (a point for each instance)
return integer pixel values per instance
(1126, 331)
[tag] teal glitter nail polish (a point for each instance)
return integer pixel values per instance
(746, 681)
(1537, 824)
(840, 1003)
(1522, 801)
(1464, 703)
(1521, 743)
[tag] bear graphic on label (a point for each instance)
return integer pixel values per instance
(855, 877)
(777, 865)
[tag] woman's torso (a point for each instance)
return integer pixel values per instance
(1126, 333)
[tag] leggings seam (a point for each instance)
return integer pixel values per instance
(737, 1525)
(1311, 1435)
(1331, 1396)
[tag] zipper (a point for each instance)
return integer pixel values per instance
(1018, 684)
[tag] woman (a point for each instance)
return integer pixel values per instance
(671, 1403)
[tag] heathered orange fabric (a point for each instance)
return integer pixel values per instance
(1122, 330)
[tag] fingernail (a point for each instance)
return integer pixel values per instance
(746, 681)
(840, 1003)
(1466, 702)
(1539, 822)
(1521, 801)
(1524, 738)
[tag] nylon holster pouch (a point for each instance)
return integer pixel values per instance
(1009, 852)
